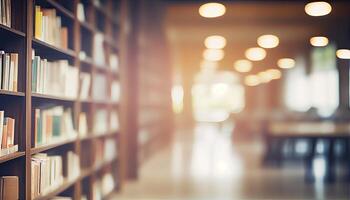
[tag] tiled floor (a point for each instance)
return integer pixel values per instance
(205, 165)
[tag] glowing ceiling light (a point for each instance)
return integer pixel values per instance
(268, 41)
(319, 41)
(215, 42)
(286, 63)
(243, 65)
(318, 8)
(255, 54)
(213, 54)
(274, 73)
(212, 10)
(252, 80)
(343, 53)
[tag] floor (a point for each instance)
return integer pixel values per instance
(204, 164)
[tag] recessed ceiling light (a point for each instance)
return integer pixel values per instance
(286, 63)
(213, 54)
(268, 41)
(318, 8)
(343, 53)
(252, 80)
(319, 41)
(215, 42)
(243, 65)
(255, 54)
(212, 10)
(274, 73)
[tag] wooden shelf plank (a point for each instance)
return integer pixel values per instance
(44, 147)
(9, 30)
(11, 93)
(61, 9)
(51, 97)
(41, 44)
(105, 135)
(66, 184)
(11, 156)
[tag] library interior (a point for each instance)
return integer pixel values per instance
(174, 99)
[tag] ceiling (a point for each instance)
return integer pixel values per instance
(242, 24)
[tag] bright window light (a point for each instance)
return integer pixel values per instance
(318, 8)
(268, 41)
(215, 42)
(177, 95)
(212, 10)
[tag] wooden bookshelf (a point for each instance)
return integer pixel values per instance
(104, 18)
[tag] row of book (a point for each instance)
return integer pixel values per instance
(7, 135)
(53, 125)
(55, 78)
(8, 71)
(9, 188)
(5, 12)
(47, 172)
(49, 28)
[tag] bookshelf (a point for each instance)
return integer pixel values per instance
(86, 39)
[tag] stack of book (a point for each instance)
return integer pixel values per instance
(47, 174)
(5, 12)
(8, 71)
(48, 27)
(53, 125)
(9, 188)
(56, 78)
(73, 165)
(7, 135)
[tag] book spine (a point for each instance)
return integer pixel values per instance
(1, 126)
(1, 66)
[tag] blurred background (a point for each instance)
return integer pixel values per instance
(238, 100)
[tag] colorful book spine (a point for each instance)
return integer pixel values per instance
(8, 71)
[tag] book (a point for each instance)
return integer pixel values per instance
(9, 71)
(9, 188)
(81, 12)
(56, 78)
(114, 121)
(48, 27)
(1, 126)
(47, 172)
(5, 12)
(53, 125)
(99, 87)
(115, 91)
(99, 50)
(73, 165)
(85, 82)
(114, 62)
(83, 129)
(100, 122)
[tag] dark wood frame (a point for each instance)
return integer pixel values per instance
(22, 103)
